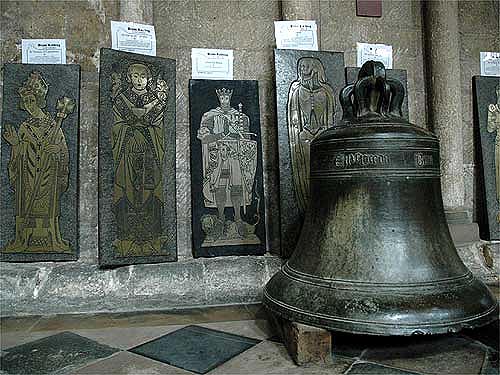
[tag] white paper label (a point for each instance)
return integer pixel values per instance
(375, 52)
(43, 51)
(296, 35)
(490, 64)
(212, 63)
(133, 37)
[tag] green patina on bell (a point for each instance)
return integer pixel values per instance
(375, 255)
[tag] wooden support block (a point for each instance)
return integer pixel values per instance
(305, 344)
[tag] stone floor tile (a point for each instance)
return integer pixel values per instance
(10, 339)
(18, 324)
(366, 368)
(73, 321)
(449, 354)
(195, 348)
(126, 338)
(256, 329)
(132, 319)
(272, 358)
(61, 352)
(126, 363)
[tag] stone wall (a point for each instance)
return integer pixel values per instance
(479, 31)
(247, 27)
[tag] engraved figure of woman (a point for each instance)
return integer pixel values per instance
(38, 170)
(229, 164)
(310, 110)
(139, 104)
(494, 127)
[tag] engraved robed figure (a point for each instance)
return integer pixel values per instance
(38, 170)
(310, 110)
(229, 155)
(494, 127)
(139, 104)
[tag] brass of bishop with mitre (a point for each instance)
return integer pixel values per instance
(38, 170)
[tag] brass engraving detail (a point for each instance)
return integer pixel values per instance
(139, 104)
(38, 170)
(310, 110)
(494, 127)
(423, 160)
(229, 165)
(358, 159)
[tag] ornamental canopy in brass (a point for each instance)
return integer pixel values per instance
(375, 254)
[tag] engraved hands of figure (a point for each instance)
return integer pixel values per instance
(11, 136)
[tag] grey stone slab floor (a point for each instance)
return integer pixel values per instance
(222, 340)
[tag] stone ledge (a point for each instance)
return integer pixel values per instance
(483, 259)
(65, 288)
(62, 288)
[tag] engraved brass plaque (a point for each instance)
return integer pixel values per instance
(228, 204)
(487, 121)
(308, 84)
(39, 163)
(137, 134)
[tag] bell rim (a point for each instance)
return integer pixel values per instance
(360, 327)
(374, 312)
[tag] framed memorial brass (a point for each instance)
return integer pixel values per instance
(137, 209)
(487, 122)
(39, 163)
(307, 88)
(375, 255)
(226, 168)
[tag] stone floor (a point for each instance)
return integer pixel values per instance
(225, 340)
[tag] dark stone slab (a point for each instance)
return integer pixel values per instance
(195, 348)
(293, 97)
(352, 346)
(491, 364)
(54, 354)
(226, 168)
(431, 355)
(365, 368)
(137, 200)
(47, 155)
(487, 135)
(351, 76)
(488, 335)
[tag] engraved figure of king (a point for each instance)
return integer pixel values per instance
(494, 127)
(229, 165)
(38, 170)
(137, 139)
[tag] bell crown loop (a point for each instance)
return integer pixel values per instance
(373, 97)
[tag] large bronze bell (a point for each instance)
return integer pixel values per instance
(375, 255)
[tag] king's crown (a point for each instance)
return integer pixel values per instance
(223, 92)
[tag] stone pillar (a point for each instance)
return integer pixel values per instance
(301, 10)
(140, 11)
(443, 65)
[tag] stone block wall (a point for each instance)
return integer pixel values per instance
(247, 27)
